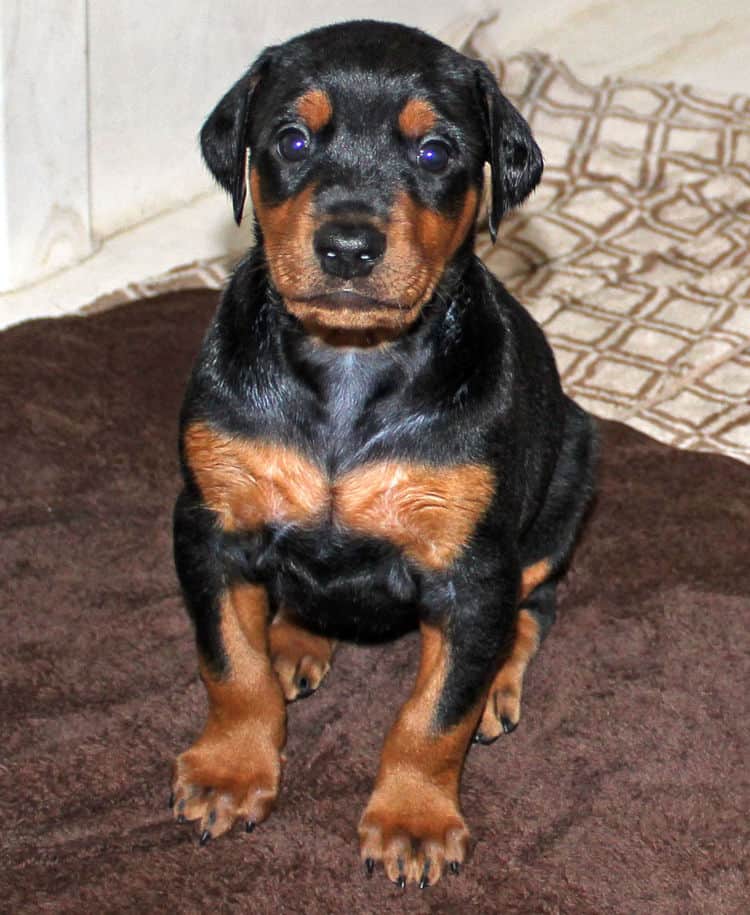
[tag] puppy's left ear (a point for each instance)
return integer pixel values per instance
(515, 160)
(225, 137)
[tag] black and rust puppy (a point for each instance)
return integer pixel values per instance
(374, 435)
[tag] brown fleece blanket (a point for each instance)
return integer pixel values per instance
(625, 789)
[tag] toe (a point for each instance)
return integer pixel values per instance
(197, 806)
(397, 860)
(489, 727)
(501, 716)
(219, 817)
(508, 725)
(484, 738)
(456, 847)
(309, 675)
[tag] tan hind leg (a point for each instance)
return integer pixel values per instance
(300, 658)
(503, 709)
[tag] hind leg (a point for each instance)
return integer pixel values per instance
(503, 709)
(545, 551)
(301, 659)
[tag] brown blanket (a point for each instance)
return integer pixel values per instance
(625, 789)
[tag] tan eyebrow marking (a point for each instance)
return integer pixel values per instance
(315, 109)
(417, 118)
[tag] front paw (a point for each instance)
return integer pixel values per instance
(224, 777)
(415, 829)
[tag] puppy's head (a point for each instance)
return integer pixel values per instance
(366, 144)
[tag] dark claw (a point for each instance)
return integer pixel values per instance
(485, 741)
(304, 688)
(249, 826)
(455, 867)
(507, 724)
(171, 800)
(424, 882)
(401, 882)
(205, 837)
(401, 878)
(181, 819)
(369, 866)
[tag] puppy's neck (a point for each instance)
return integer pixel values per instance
(350, 338)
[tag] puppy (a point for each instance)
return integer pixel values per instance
(374, 437)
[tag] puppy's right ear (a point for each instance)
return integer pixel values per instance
(225, 137)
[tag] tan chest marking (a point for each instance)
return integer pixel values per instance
(250, 483)
(429, 512)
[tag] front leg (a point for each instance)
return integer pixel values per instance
(413, 822)
(232, 771)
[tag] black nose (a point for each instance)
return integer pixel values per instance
(347, 250)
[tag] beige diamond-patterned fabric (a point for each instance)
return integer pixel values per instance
(632, 254)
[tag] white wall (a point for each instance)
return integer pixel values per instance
(101, 102)
(44, 213)
(700, 42)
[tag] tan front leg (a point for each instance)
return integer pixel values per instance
(412, 822)
(232, 770)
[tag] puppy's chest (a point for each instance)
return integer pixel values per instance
(428, 512)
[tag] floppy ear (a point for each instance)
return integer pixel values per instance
(225, 137)
(515, 159)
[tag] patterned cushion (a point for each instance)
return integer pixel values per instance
(633, 253)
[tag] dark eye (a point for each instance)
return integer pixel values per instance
(433, 155)
(294, 144)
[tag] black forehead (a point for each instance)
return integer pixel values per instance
(372, 64)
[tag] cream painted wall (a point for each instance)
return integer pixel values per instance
(44, 211)
(101, 102)
(698, 42)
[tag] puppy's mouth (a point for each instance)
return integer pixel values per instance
(347, 317)
(348, 299)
